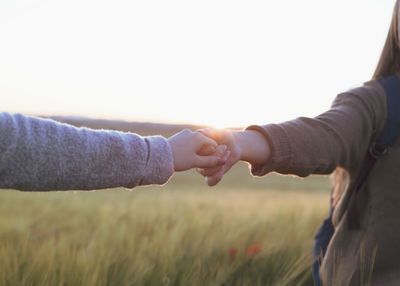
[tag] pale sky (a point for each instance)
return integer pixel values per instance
(216, 62)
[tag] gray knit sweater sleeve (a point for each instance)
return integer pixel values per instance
(42, 155)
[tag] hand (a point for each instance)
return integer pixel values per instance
(186, 146)
(248, 145)
(231, 156)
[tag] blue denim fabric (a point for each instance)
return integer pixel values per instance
(322, 239)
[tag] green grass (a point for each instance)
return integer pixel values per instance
(176, 235)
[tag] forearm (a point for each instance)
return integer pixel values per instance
(42, 155)
(337, 137)
(253, 145)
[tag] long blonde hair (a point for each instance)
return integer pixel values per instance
(389, 61)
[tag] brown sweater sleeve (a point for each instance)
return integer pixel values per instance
(338, 137)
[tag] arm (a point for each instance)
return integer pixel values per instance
(304, 146)
(253, 145)
(340, 136)
(42, 155)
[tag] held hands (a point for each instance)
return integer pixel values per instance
(249, 146)
(186, 148)
(213, 152)
(231, 156)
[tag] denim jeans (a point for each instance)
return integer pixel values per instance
(322, 239)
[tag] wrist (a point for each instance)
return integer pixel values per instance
(253, 145)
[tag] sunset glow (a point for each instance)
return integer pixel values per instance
(220, 63)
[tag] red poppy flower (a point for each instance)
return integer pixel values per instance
(253, 250)
(232, 252)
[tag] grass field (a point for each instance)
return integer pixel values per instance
(182, 234)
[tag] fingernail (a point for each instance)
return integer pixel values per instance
(221, 162)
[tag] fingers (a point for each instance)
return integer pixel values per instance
(206, 150)
(231, 159)
(208, 172)
(214, 179)
(220, 152)
(211, 160)
(223, 155)
(208, 161)
(214, 175)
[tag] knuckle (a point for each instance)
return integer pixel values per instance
(198, 136)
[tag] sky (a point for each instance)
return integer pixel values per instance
(223, 63)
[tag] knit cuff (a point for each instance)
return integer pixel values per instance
(160, 164)
(281, 154)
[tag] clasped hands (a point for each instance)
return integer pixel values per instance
(213, 152)
(228, 150)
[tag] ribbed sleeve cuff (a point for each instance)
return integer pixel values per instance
(160, 165)
(281, 154)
